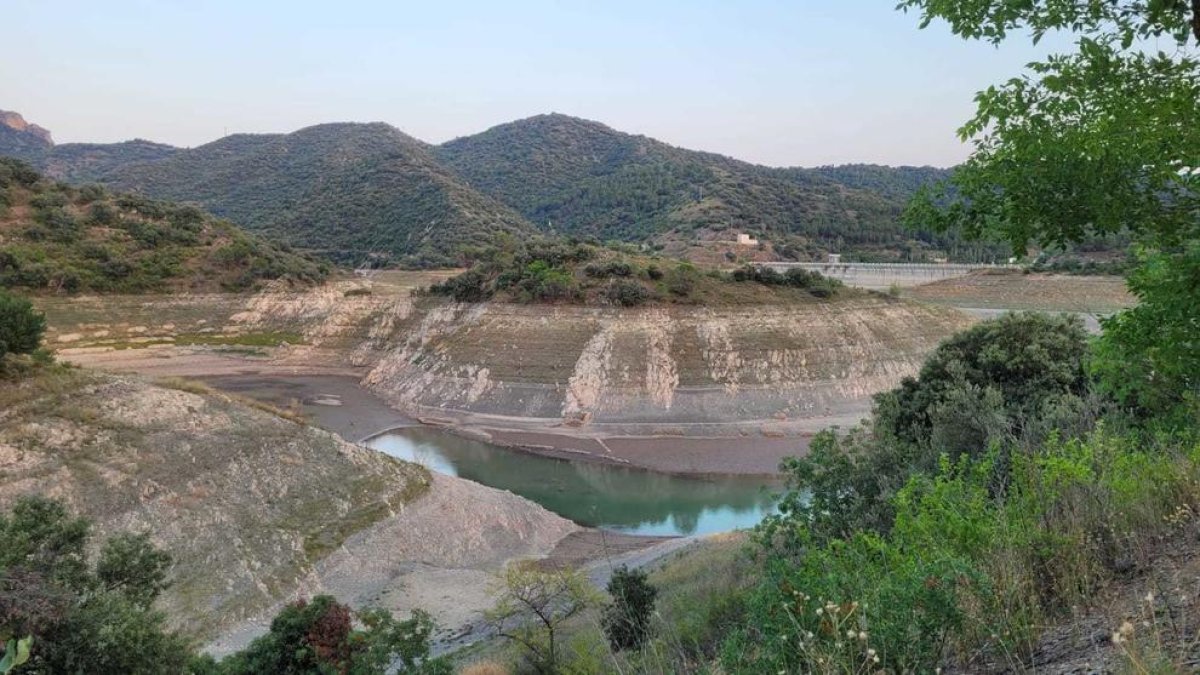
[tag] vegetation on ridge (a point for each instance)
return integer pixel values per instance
(54, 237)
(554, 270)
(577, 177)
(358, 194)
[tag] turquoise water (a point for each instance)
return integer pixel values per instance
(615, 498)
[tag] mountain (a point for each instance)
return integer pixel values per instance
(347, 191)
(58, 237)
(367, 193)
(581, 177)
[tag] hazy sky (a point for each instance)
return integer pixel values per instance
(801, 82)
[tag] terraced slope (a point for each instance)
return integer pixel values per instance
(664, 365)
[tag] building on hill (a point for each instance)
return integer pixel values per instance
(744, 239)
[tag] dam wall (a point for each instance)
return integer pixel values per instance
(884, 275)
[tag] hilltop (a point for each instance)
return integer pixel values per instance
(552, 271)
(57, 237)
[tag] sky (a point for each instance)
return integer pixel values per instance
(782, 83)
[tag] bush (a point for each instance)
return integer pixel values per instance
(997, 383)
(320, 637)
(626, 620)
(21, 327)
(83, 618)
(626, 293)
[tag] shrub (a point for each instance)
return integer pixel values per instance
(319, 637)
(83, 618)
(626, 620)
(21, 327)
(626, 293)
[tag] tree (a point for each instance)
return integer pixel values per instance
(318, 636)
(626, 620)
(532, 606)
(21, 327)
(1099, 141)
(994, 385)
(82, 618)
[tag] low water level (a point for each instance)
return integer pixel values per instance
(596, 495)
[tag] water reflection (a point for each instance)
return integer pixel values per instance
(597, 495)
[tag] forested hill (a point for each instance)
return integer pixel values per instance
(894, 182)
(367, 193)
(342, 190)
(55, 237)
(580, 177)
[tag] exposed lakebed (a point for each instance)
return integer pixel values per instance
(631, 501)
(612, 497)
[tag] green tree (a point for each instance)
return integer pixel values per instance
(626, 620)
(21, 327)
(1095, 142)
(533, 605)
(318, 637)
(1000, 383)
(82, 619)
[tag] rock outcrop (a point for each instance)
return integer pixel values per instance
(16, 122)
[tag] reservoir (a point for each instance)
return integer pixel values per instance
(627, 500)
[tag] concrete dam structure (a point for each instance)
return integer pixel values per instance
(884, 275)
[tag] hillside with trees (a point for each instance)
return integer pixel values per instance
(369, 194)
(578, 177)
(54, 237)
(354, 193)
(550, 271)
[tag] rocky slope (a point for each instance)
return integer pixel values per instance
(583, 367)
(255, 508)
(662, 365)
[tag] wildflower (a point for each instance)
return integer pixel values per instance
(808, 635)
(850, 635)
(875, 659)
(862, 635)
(1150, 596)
(820, 611)
(1117, 638)
(1126, 629)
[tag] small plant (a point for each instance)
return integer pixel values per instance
(626, 621)
(532, 607)
(16, 653)
(21, 326)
